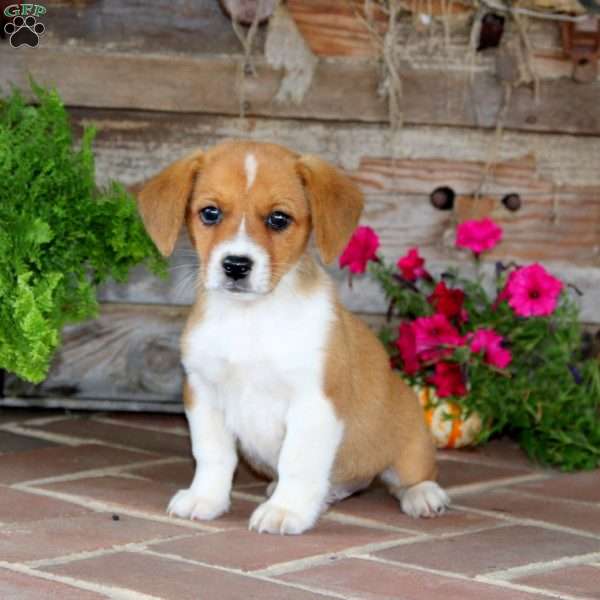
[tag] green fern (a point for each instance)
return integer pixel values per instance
(59, 235)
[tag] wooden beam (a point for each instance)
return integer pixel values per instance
(129, 354)
(557, 177)
(341, 90)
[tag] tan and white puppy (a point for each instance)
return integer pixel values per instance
(274, 364)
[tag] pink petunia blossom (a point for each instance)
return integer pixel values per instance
(489, 342)
(478, 236)
(361, 248)
(435, 337)
(448, 380)
(532, 292)
(411, 265)
(407, 348)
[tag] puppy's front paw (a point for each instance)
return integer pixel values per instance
(270, 518)
(426, 499)
(189, 504)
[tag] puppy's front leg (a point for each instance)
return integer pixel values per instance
(213, 447)
(313, 435)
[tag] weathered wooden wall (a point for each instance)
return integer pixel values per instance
(158, 84)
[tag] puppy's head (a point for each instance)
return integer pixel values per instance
(249, 209)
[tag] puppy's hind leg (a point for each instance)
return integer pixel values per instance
(411, 480)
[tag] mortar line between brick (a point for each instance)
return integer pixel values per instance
(114, 592)
(248, 574)
(310, 588)
(345, 519)
(87, 554)
(69, 440)
(527, 588)
(41, 421)
(539, 497)
(543, 566)
(485, 486)
(526, 521)
(250, 497)
(462, 577)
(100, 472)
(102, 506)
(317, 559)
(181, 432)
(58, 438)
(471, 459)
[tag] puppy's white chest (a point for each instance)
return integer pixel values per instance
(253, 360)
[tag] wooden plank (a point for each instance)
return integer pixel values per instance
(133, 145)
(340, 90)
(126, 358)
(159, 26)
(555, 221)
(130, 352)
(335, 28)
(557, 176)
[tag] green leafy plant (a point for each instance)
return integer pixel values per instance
(59, 235)
(513, 357)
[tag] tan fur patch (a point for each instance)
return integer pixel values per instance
(383, 422)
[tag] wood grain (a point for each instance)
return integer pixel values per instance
(557, 177)
(129, 354)
(338, 28)
(127, 359)
(340, 90)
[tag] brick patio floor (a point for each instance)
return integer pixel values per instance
(82, 515)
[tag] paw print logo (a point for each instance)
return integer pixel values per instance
(24, 32)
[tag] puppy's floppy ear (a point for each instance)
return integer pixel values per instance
(335, 201)
(163, 200)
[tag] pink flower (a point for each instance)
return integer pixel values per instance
(411, 265)
(407, 349)
(361, 248)
(478, 236)
(448, 302)
(448, 380)
(532, 292)
(435, 336)
(490, 343)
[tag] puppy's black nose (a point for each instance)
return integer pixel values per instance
(237, 267)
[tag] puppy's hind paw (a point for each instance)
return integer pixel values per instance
(425, 499)
(188, 504)
(270, 518)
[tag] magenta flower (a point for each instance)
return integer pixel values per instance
(532, 292)
(361, 248)
(407, 348)
(411, 265)
(435, 336)
(478, 236)
(489, 342)
(448, 380)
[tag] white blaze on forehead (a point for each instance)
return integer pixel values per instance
(250, 166)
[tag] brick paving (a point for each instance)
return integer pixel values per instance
(82, 515)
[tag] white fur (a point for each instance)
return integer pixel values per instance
(240, 245)
(250, 168)
(425, 499)
(256, 370)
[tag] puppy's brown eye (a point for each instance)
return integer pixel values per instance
(211, 215)
(278, 221)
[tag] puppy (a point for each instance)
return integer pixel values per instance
(275, 366)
